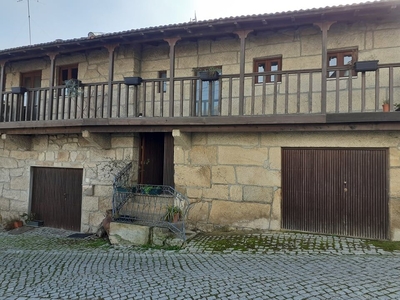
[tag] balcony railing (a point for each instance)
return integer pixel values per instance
(277, 93)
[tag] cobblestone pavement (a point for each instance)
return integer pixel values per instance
(44, 264)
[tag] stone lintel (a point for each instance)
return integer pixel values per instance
(101, 140)
(183, 139)
(23, 142)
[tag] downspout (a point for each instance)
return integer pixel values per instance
(171, 42)
(51, 83)
(242, 35)
(324, 26)
(111, 50)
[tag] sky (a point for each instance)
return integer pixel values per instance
(69, 19)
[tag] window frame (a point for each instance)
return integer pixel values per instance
(268, 63)
(164, 83)
(340, 54)
(70, 68)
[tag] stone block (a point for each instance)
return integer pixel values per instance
(179, 155)
(122, 142)
(103, 190)
(19, 206)
(194, 193)
(394, 182)
(236, 193)
(159, 235)
(200, 155)
(234, 139)
(193, 176)
(274, 158)
(233, 155)
(258, 194)
(394, 157)
(223, 174)
(198, 212)
(239, 214)
(90, 203)
(4, 204)
(129, 234)
(87, 190)
(4, 175)
(258, 176)
(20, 183)
(199, 138)
(62, 156)
(8, 163)
(217, 192)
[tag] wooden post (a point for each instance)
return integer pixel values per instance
(2, 71)
(51, 84)
(171, 42)
(111, 50)
(242, 35)
(324, 26)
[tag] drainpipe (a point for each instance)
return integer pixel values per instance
(324, 26)
(51, 83)
(2, 71)
(171, 42)
(111, 50)
(242, 35)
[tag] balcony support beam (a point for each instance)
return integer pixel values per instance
(324, 26)
(51, 83)
(100, 140)
(242, 35)
(182, 139)
(172, 43)
(111, 59)
(22, 142)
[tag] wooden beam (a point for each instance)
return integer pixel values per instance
(2, 72)
(51, 84)
(22, 142)
(111, 58)
(100, 140)
(172, 43)
(182, 139)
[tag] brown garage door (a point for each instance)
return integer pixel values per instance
(335, 191)
(57, 197)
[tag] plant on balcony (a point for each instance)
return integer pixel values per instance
(173, 214)
(73, 87)
(386, 105)
(208, 74)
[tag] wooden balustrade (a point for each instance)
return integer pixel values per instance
(270, 93)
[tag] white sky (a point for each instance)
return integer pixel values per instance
(68, 19)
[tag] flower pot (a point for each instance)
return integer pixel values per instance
(18, 90)
(18, 224)
(35, 223)
(176, 218)
(133, 80)
(386, 107)
(364, 66)
(208, 76)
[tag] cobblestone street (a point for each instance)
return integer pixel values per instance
(44, 264)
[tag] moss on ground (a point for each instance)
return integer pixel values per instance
(385, 245)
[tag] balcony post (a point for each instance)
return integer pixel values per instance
(242, 35)
(171, 42)
(2, 71)
(111, 50)
(324, 26)
(52, 57)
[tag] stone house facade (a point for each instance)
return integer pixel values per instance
(286, 81)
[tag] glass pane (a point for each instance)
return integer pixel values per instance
(332, 63)
(74, 73)
(205, 88)
(274, 67)
(260, 69)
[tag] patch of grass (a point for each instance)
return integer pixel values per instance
(385, 245)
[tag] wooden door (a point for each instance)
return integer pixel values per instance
(31, 80)
(157, 159)
(57, 197)
(335, 191)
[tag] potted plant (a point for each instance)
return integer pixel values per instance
(30, 220)
(173, 214)
(386, 105)
(12, 223)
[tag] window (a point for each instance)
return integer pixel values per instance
(206, 87)
(269, 64)
(162, 86)
(66, 73)
(341, 58)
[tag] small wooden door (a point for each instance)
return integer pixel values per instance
(157, 159)
(57, 197)
(31, 80)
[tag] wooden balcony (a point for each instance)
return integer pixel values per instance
(287, 97)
